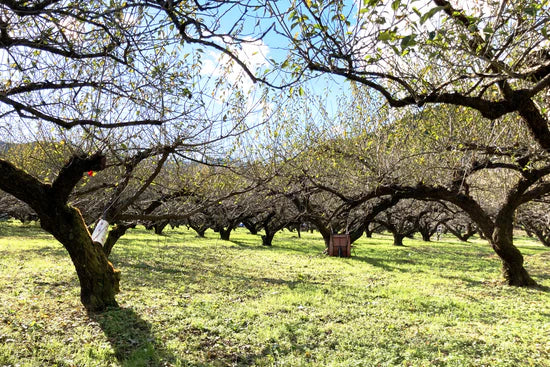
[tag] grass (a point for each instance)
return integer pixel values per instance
(205, 302)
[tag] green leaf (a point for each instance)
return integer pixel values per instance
(408, 41)
(284, 65)
(430, 14)
(531, 11)
(395, 5)
(292, 15)
(488, 29)
(385, 36)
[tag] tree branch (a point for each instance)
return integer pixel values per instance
(72, 172)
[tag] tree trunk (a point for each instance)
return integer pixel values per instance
(115, 234)
(368, 230)
(458, 234)
(159, 227)
(398, 239)
(201, 230)
(528, 232)
(512, 260)
(426, 236)
(225, 233)
(251, 227)
(99, 281)
(326, 236)
(356, 234)
(267, 239)
(481, 235)
(542, 237)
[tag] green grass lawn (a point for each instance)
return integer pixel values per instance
(187, 301)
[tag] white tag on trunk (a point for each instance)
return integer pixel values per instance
(100, 232)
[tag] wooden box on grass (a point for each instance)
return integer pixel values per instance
(339, 245)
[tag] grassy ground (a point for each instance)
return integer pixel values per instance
(205, 302)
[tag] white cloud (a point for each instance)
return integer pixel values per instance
(253, 53)
(223, 78)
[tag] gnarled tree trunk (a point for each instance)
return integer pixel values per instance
(398, 239)
(252, 227)
(159, 227)
(99, 281)
(225, 233)
(267, 238)
(426, 235)
(502, 243)
(368, 230)
(201, 231)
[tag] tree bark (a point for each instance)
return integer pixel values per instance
(398, 239)
(267, 239)
(368, 230)
(528, 232)
(251, 227)
(159, 227)
(502, 243)
(325, 232)
(99, 281)
(543, 238)
(426, 236)
(199, 226)
(356, 234)
(200, 231)
(115, 234)
(225, 234)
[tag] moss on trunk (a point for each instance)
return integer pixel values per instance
(99, 281)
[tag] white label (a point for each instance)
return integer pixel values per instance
(100, 232)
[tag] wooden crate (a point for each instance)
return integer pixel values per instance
(339, 245)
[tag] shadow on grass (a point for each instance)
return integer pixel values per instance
(55, 250)
(541, 288)
(384, 263)
(13, 229)
(152, 274)
(468, 281)
(131, 338)
(306, 248)
(134, 344)
(247, 245)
